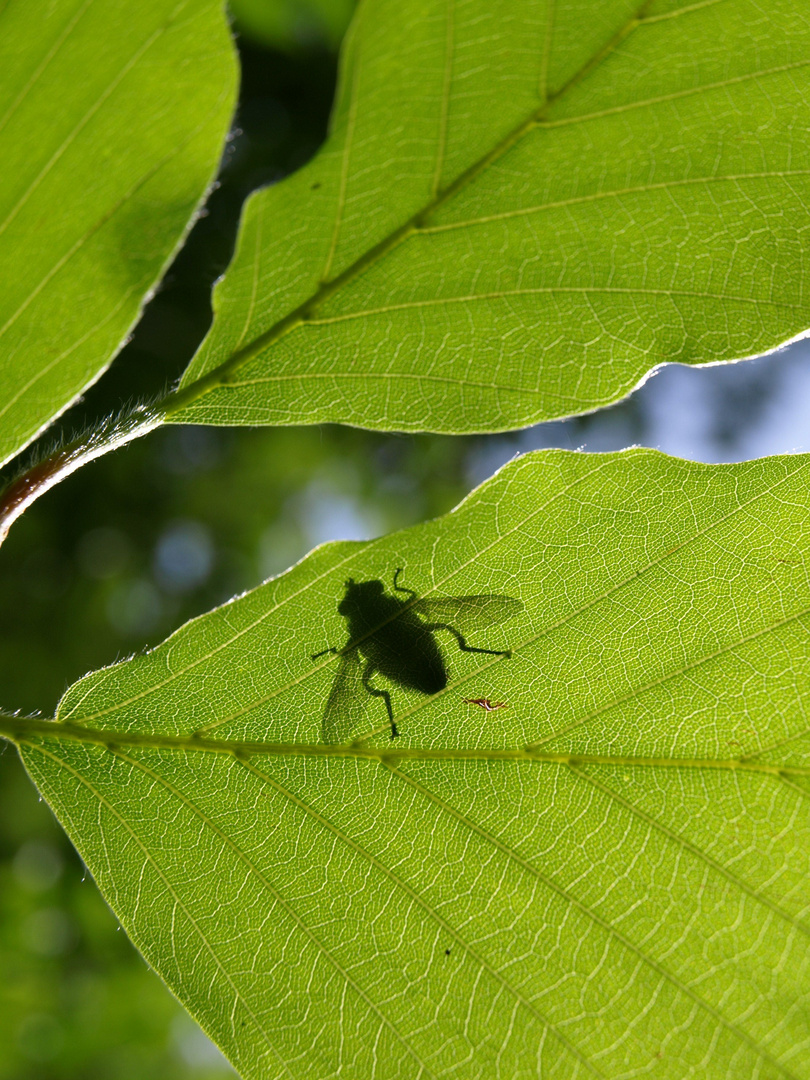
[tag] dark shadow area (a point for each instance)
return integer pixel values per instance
(394, 636)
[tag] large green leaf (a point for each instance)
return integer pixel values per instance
(522, 209)
(112, 117)
(608, 877)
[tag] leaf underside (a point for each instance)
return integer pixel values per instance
(523, 208)
(112, 117)
(606, 877)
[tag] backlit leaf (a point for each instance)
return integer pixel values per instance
(607, 877)
(112, 117)
(522, 209)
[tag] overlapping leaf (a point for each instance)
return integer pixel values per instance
(523, 208)
(607, 877)
(112, 117)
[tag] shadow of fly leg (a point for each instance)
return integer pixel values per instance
(401, 588)
(462, 642)
(367, 673)
(323, 652)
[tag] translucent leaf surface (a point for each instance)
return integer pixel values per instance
(112, 117)
(606, 877)
(523, 208)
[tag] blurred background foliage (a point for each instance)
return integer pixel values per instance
(130, 547)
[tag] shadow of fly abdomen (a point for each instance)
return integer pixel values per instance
(395, 638)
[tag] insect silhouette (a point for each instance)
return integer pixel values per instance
(485, 703)
(395, 638)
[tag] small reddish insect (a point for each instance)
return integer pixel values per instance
(485, 703)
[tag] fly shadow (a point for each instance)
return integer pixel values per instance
(396, 638)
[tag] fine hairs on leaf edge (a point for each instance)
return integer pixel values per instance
(53, 461)
(130, 414)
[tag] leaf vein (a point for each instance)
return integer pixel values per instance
(639, 189)
(149, 858)
(254, 870)
(409, 890)
(69, 139)
(604, 924)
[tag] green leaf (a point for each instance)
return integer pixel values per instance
(607, 877)
(112, 117)
(522, 209)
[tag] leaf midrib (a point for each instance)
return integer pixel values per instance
(564, 893)
(305, 588)
(220, 375)
(546, 631)
(25, 730)
(566, 620)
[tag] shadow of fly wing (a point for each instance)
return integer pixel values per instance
(394, 636)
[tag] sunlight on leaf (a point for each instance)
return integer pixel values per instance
(112, 118)
(522, 209)
(605, 877)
